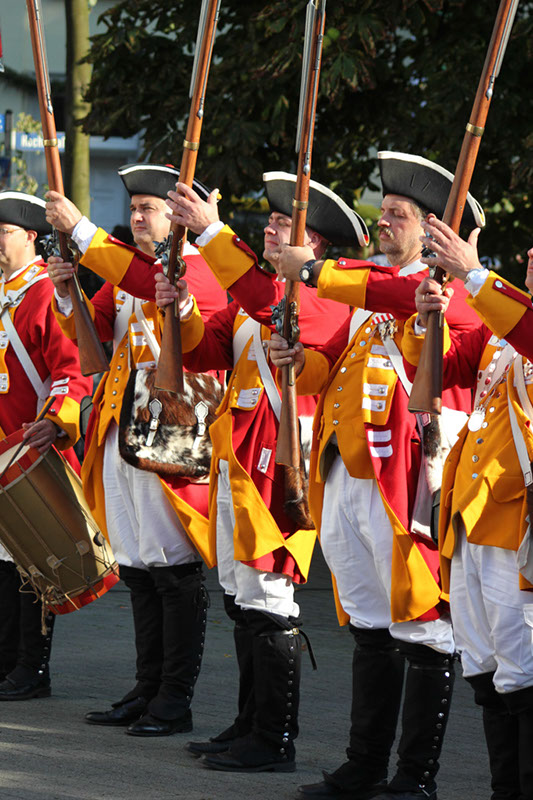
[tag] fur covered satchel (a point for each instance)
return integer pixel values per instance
(166, 433)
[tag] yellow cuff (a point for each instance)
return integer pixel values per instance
(227, 261)
(500, 304)
(107, 259)
(67, 324)
(68, 420)
(343, 285)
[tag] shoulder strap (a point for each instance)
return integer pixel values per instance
(11, 298)
(149, 335)
(242, 336)
(266, 375)
(396, 360)
(41, 387)
(518, 436)
(359, 317)
(121, 324)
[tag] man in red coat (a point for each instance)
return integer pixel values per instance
(370, 493)
(485, 521)
(261, 551)
(157, 524)
(36, 362)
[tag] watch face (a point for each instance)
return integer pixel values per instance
(305, 274)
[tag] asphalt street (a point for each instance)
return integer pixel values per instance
(48, 752)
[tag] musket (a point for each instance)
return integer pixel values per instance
(426, 394)
(288, 450)
(91, 352)
(169, 373)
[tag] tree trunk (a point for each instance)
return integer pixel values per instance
(76, 165)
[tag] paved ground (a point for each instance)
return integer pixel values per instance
(47, 752)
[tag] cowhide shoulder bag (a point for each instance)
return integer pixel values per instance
(166, 433)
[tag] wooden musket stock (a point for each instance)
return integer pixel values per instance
(91, 352)
(426, 394)
(169, 373)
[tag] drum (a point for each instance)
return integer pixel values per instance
(48, 530)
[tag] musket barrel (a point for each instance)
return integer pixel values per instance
(169, 372)
(91, 352)
(426, 392)
(288, 450)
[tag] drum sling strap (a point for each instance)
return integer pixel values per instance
(41, 388)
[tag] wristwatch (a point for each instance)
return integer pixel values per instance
(306, 272)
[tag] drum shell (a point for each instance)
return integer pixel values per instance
(48, 530)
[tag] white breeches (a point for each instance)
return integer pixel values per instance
(492, 618)
(251, 588)
(144, 530)
(356, 538)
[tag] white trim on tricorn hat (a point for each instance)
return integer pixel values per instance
(155, 179)
(425, 182)
(24, 210)
(327, 213)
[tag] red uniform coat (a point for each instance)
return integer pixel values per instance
(483, 480)
(53, 356)
(128, 269)
(376, 434)
(242, 434)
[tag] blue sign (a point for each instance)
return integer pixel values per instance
(2, 123)
(33, 142)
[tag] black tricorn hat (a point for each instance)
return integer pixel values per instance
(327, 214)
(155, 179)
(425, 182)
(24, 210)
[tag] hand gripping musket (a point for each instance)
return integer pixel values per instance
(426, 394)
(169, 373)
(285, 315)
(91, 352)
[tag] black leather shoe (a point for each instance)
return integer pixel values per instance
(251, 753)
(123, 714)
(148, 725)
(226, 762)
(207, 748)
(328, 789)
(10, 690)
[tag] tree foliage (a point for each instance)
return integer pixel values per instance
(396, 74)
